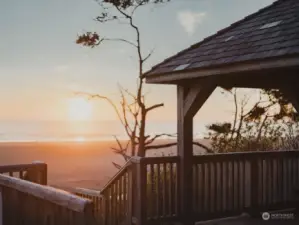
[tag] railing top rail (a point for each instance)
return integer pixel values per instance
(89, 192)
(247, 155)
(19, 167)
(118, 174)
(56, 196)
(161, 159)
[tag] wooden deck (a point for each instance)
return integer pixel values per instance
(146, 191)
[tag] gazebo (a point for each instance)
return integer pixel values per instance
(259, 51)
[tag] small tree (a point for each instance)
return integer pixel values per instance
(133, 110)
(270, 124)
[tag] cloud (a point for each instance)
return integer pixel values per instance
(189, 20)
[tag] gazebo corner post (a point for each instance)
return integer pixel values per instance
(190, 98)
(185, 153)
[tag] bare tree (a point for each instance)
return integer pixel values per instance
(133, 110)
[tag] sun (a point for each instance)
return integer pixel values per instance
(79, 139)
(79, 109)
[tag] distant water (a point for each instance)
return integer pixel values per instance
(44, 131)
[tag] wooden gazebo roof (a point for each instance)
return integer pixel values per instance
(267, 39)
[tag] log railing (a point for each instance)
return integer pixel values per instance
(229, 184)
(26, 203)
(35, 172)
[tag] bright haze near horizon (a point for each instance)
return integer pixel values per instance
(41, 66)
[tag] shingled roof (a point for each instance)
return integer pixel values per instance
(272, 32)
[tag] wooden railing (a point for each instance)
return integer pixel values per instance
(146, 190)
(35, 172)
(161, 188)
(111, 204)
(27, 203)
(97, 200)
(229, 184)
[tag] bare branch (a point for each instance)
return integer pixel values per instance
(122, 151)
(92, 96)
(128, 92)
(203, 146)
(126, 124)
(148, 56)
(154, 107)
(137, 6)
(160, 146)
(158, 136)
(117, 165)
(123, 13)
(173, 144)
(120, 40)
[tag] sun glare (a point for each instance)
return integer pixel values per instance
(79, 139)
(79, 109)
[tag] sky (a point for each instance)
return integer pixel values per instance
(41, 66)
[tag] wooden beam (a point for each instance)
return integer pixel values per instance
(237, 68)
(185, 153)
(196, 97)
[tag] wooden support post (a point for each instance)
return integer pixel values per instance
(41, 173)
(189, 101)
(139, 191)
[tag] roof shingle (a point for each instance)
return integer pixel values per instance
(244, 40)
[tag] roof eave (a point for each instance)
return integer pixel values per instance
(176, 77)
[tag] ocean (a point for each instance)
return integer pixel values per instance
(58, 131)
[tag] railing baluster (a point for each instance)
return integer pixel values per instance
(164, 190)
(158, 190)
(21, 174)
(177, 194)
(216, 185)
(204, 188)
(239, 185)
(171, 192)
(222, 207)
(118, 201)
(200, 188)
(195, 187)
(291, 183)
(233, 185)
(153, 191)
(227, 178)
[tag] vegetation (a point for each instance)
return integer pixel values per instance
(271, 123)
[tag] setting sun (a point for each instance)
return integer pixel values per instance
(79, 109)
